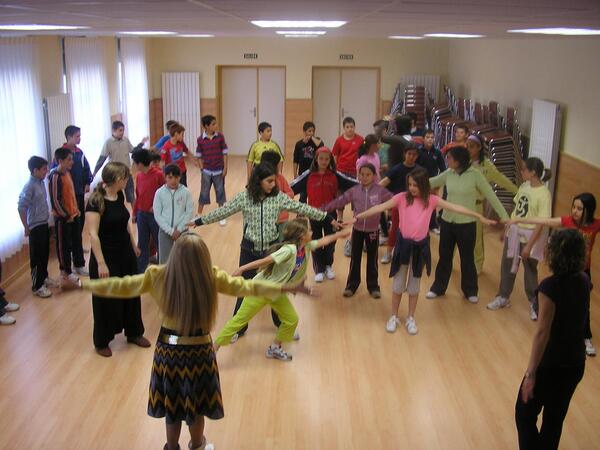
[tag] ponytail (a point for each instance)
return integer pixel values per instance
(370, 140)
(536, 165)
(96, 200)
(293, 232)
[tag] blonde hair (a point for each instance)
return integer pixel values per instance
(112, 172)
(293, 232)
(190, 292)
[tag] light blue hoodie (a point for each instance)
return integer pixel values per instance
(173, 209)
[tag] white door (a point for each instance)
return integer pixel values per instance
(271, 101)
(326, 103)
(359, 98)
(239, 108)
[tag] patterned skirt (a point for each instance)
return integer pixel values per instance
(185, 383)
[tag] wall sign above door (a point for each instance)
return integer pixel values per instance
(347, 56)
(250, 55)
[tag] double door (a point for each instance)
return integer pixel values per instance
(344, 92)
(248, 96)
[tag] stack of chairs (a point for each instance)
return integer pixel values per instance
(415, 101)
(500, 135)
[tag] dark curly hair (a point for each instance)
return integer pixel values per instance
(259, 173)
(461, 155)
(566, 252)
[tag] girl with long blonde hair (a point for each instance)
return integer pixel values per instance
(185, 385)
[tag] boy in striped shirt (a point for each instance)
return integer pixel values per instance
(211, 152)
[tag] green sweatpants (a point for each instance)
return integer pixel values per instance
(479, 251)
(250, 307)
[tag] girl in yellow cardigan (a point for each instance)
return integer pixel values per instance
(184, 384)
(482, 163)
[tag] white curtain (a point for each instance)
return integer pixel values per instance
(22, 131)
(87, 83)
(135, 89)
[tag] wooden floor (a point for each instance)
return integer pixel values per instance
(351, 384)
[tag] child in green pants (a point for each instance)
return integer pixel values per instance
(286, 263)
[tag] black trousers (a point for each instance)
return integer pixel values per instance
(461, 235)
(39, 250)
(371, 240)
(183, 179)
(383, 223)
(323, 256)
(81, 207)
(588, 328)
(248, 255)
(68, 242)
(3, 301)
(553, 390)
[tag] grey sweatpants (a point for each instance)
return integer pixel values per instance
(507, 278)
(165, 244)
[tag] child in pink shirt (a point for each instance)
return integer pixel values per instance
(412, 252)
(368, 153)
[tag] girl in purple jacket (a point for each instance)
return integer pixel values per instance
(362, 197)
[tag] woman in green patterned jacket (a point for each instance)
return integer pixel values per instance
(260, 205)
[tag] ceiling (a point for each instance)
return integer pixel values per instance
(366, 18)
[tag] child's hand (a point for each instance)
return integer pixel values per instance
(336, 225)
(349, 223)
(303, 289)
(176, 234)
(137, 251)
(133, 219)
(191, 224)
(487, 221)
(236, 273)
(103, 270)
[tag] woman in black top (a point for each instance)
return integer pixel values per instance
(114, 253)
(557, 360)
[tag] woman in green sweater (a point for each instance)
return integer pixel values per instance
(482, 163)
(465, 185)
(260, 205)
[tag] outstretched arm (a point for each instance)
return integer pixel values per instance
(553, 222)
(465, 211)
(326, 240)
(376, 209)
(254, 265)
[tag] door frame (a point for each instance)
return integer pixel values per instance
(219, 91)
(312, 87)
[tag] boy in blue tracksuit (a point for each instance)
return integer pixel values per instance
(173, 208)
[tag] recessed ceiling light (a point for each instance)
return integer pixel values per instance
(301, 32)
(406, 37)
(559, 31)
(35, 27)
(298, 23)
(147, 33)
(196, 35)
(454, 35)
(301, 35)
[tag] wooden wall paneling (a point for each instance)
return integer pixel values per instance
(386, 106)
(15, 266)
(157, 126)
(209, 106)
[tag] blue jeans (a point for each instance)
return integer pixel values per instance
(147, 227)
(207, 181)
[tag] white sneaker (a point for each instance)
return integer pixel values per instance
(223, 222)
(392, 324)
(234, 338)
(431, 295)
(348, 248)
(209, 446)
(11, 307)
(497, 303)
(319, 277)
(532, 313)
(473, 299)
(51, 283)
(276, 352)
(590, 350)
(71, 278)
(386, 258)
(436, 231)
(329, 273)
(382, 240)
(296, 335)
(411, 326)
(43, 292)
(7, 320)
(81, 271)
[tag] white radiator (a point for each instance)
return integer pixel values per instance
(546, 123)
(430, 82)
(58, 114)
(181, 102)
